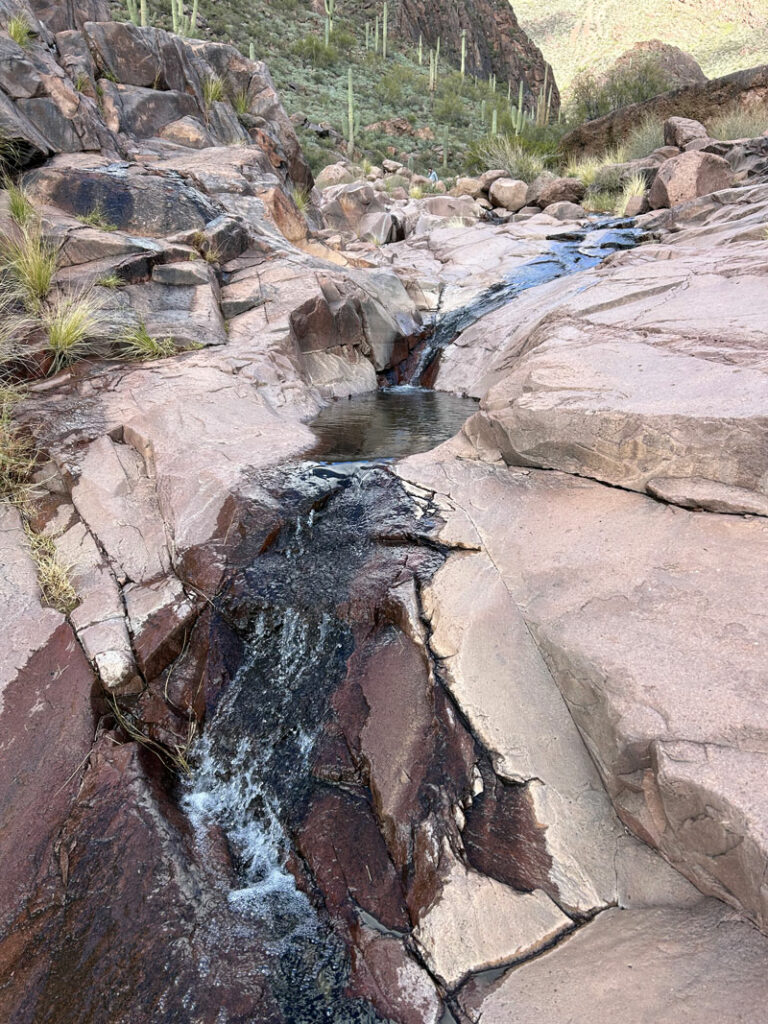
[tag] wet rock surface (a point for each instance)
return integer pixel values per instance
(452, 711)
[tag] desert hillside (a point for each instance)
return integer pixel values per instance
(723, 37)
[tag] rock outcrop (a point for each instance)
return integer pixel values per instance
(747, 89)
(496, 44)
(516, 725)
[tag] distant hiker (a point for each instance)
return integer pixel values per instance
(433, 176)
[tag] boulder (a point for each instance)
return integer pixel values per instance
(680, 131)
(560, 190)
(689, 176)
(565, 211)
(188, 131)
(334, 174)
(472, 187)
(508, 193)
(488, 178)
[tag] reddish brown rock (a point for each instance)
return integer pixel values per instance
(689, 176)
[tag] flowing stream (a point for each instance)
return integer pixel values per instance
(315, 591)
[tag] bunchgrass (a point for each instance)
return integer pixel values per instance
(73, 322)
(20, 30)
(644, 138)
(241, 102)
(633, 187)
(52, 575)
(29, 261)
(137, 343)
(20, 205)
(301, 199)
(16, 452)
(504, 152)
(97, 218)
(738, 123)
(600, 201)
(213, 89)
(111, 281)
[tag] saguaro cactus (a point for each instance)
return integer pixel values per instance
(350, 114)
(183, 24)
(330, 10)
(384, 32)
(421, 49)
(138, 14)
(376, 36)
(463, 51)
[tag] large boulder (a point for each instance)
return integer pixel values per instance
(689, 176)
(508, 193)
(334, 174)
(560, 190)
(681, 131)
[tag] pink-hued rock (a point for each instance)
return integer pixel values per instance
(689, 176)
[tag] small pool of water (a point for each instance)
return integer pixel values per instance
(388, 424)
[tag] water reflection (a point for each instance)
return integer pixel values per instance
(388, 424)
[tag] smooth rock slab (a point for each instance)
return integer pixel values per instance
(699, 966)
(478, 923)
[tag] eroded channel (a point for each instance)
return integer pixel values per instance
(334, 762)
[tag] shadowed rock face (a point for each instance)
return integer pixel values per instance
(495, 41)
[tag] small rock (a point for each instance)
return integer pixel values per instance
(679, 131)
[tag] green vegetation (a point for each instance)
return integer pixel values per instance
(738, 123)
(97, 218)
(20, 204)
(28, 261)
(643, 139)
(593, 95)
(111, 281)
(137, 343)
(20, 30)
(73, 321)
(634, 187)
(579, 34)
(52, 575)
(505, 153)
(213, 89)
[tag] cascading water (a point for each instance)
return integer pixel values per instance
(309, 598)
(570, 253)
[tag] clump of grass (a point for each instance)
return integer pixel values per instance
(504, 152)
(82, 82)
(585, 168)
(634, 186)
(20, 30)
(73, 322)
(738, 123)
(97, 218)
(111, 281)
(213, 89)
(241, 102)
(30, 262)
(301, 199)
(416, 192)
(643, 139)
(16, 453)
(53, 577)
(600, 201)
(20, 205)
(137, 343)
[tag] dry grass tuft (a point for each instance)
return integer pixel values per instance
(138, 343)
(52, 576)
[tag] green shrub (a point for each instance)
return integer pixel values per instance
(313, 51)
(595, 95)
(505, 152)
(642, 140)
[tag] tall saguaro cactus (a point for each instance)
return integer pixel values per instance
(350, 114)
(330, 10)
(463, 51)
(183, 24)
(138, 14)
(385, 17)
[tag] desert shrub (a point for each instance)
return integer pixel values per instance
(643, 139)
(450, 109)
(313, 51)
(595, 95)
(506, 153)
(600, 201)
(738, 123)
(343, 39)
